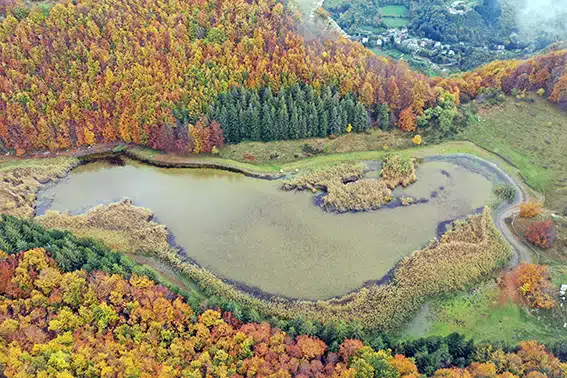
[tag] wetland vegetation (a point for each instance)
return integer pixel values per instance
(117, 260)
(247, 230)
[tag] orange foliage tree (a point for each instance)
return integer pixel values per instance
(407, 120)
(97, 324)
(530, 209)
(142, 71)
(533, 283)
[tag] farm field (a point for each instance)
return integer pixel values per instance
(394, 11)
(395, 16)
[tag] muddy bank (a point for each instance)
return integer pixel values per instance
(162, 161)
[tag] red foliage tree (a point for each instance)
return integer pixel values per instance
(216, 138)
(542, 234)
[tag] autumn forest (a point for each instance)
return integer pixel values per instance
(431, 210)
(148, 72)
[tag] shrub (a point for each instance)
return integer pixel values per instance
(311, 149)
(249, 157)
(491, 96)
(398, 170)
(542, 234)
(417, 140)
(406, 201)
(407, 120)
(506, 193)
(530, 209)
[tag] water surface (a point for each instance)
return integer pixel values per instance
(249, 231)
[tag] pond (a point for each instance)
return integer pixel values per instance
(249, 231)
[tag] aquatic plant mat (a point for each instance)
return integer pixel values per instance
(347, 190)
(469, 251)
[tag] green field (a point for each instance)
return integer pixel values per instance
(394, 11)
(482, 315)
(392, 22)
(395, 16)
(532, 136)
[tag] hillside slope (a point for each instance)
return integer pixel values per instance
(142, 72)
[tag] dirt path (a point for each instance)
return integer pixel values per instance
(521, 251)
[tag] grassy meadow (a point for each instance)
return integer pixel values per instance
(394, 11)
(531, 136)
(483, 315)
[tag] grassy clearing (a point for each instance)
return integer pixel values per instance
(481, 315)
(394, 11)
(394, 22)
(532, 136)
(282, 152)
(395, 16)
(164, 159)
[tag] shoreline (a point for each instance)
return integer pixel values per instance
(164, 163)
(370, 303)
(494, 171)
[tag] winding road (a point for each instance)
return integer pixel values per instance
(520, 251)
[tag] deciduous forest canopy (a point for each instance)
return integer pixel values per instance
(81, 324)
(146, 71)
(188, 76)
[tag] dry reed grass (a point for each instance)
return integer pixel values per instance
(470, 250)
(21, 179)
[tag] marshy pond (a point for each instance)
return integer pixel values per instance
(249, 231)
